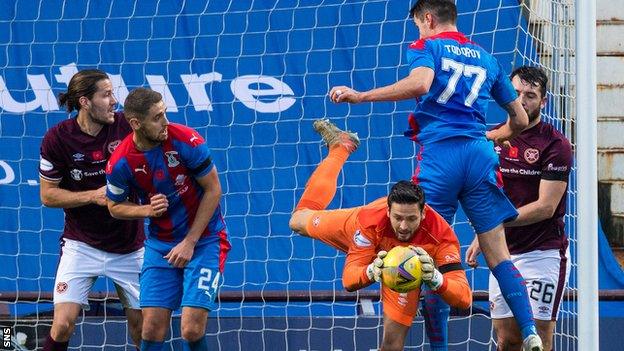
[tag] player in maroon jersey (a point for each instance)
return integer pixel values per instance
(72, 171)
(535, 169)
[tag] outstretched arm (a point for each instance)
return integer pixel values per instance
(415, 85)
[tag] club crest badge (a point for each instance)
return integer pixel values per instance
(76, 174)
(531, 155)
(61, 287)
(113, 145)
(172, 161)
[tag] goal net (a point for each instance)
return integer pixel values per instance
(251, 76)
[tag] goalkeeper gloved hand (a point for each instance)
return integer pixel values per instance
(373, 271)
(430, 275)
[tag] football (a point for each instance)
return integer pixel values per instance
(401, 271)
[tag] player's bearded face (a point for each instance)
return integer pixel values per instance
(154, 126)
(530, 97)
(405, 220)
(101, 107)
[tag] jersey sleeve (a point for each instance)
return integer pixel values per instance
(502, 90)
(117, 181)
(197, 156)
(557, 162)
(51, 165)
(455, 289)
(419, 55)
(362, 252)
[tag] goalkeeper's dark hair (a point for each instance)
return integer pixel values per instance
(406, 192)
(444, 11)
(534, 76)
(139, 102)
(83, 83)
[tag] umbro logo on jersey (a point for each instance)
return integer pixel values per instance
(78, 156)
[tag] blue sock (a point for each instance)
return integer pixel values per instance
(514, 291)
(436, 313)
(151, 345)
(197, 345)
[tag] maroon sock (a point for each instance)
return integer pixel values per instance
(51, 345)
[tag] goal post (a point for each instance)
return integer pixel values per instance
(587, 171)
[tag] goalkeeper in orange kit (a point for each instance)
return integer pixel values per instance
(367, 232)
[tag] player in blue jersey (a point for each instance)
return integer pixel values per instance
(453, 79)
(171, 169)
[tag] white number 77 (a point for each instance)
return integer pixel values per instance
(458, 69)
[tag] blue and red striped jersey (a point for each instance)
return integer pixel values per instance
(466, 78)
(169, 169)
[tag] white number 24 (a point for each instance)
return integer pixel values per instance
(205, 280)
(458, 69)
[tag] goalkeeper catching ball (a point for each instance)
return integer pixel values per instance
(367, 232)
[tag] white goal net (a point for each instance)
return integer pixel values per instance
(250, 76)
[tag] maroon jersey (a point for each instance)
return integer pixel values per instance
(540, 152)
(77, 160)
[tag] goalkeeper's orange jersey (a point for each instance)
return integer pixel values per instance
(364, 231)
(375, 233)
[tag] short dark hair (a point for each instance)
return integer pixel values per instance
(139, 102)
(83, 83)
(406, 192)
(532, 75)
(444, 10)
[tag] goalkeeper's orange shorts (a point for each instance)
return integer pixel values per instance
(335, 228)
(400, 307)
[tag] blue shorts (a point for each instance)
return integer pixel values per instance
(464, 170)
(195, 285)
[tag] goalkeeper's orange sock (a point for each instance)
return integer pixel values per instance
(321, 186)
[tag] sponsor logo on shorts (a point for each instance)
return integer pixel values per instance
(402, 300)
(113, 145)
(316, 221)
(531, 155)
(61, 287)
(360, 240)
(544, 310)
